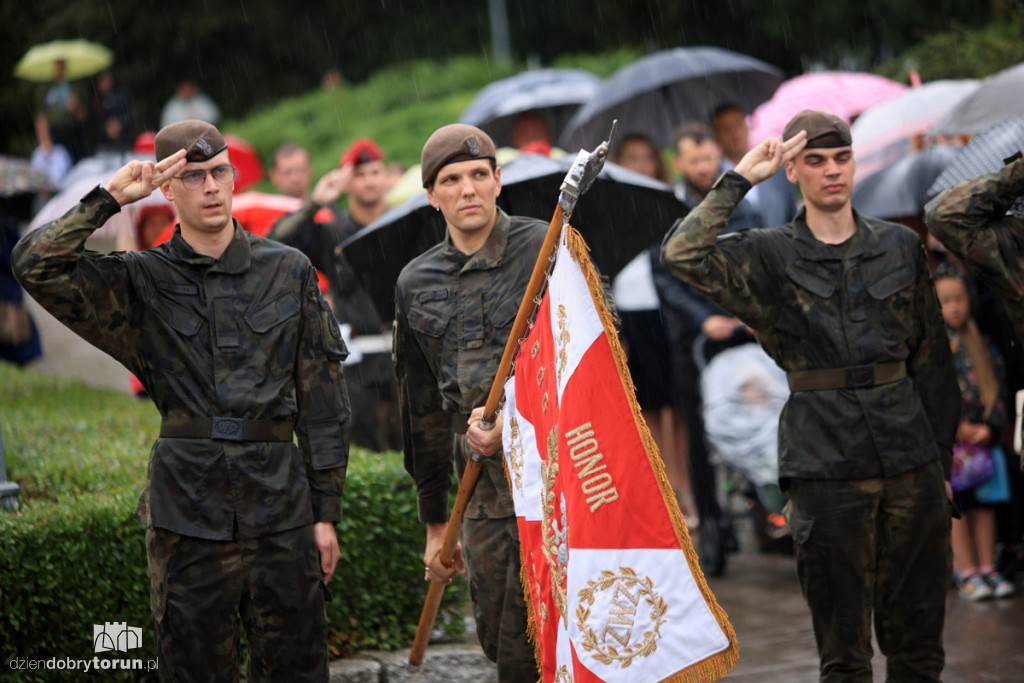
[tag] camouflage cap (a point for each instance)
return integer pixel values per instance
(451, 144)
(823, 129)
(363, 150)
(202, 140)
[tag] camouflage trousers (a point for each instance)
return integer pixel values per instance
(875, 545)
(201, 589)
(491, 550)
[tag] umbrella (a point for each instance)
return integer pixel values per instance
(121, 224)
(19, 176)
(985, 153)
(256, 212)
(843, 93)
(99, 168)
(887, 131)
(244, 158)
(999, 97)
(81, 58)
(555, 94)
(898, 191)
(657, 93)
(622, 214)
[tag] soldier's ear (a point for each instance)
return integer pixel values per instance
(168, 193)
(791, 172)
(430, 198)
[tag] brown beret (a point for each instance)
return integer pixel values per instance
(451, 144)
(823, 129)
(201, 140)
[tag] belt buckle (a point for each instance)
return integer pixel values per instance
(226, 428)
(860, 376)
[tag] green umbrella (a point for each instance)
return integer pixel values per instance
(81, 57)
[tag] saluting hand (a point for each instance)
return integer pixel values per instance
(329, 189)
(137, 179)
(762, 162)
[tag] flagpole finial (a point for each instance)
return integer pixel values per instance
(581, 175)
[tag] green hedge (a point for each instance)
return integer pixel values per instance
(72, 556)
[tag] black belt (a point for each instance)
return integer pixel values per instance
(853, 377)
(226, 428)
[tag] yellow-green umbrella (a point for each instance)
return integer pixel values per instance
(81, 58)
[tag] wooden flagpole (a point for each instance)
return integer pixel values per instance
(577, 181)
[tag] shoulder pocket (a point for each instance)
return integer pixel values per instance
(430, 312)
(167, 305)
(503, 315)
(892, 282)
(273, 312)
(812, 276)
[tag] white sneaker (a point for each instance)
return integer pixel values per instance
(975, 588)
(1000, 585)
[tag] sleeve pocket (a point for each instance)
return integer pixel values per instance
(327, 445)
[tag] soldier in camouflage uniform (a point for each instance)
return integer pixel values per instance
(455, 306)
(845, 305)
(981, 221)
(238, 350)
(369, 374)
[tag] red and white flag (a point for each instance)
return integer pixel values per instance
(613, 583)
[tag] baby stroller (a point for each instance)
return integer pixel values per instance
(743, 393)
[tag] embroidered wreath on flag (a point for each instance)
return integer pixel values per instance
(609, 653)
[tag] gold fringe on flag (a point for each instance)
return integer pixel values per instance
(721, 663)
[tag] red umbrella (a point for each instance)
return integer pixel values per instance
(243, 157)
(843, 93)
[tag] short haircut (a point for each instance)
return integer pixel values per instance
(696, 132)
(287, 149)
(727, 106)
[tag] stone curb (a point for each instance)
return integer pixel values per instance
(443, 663)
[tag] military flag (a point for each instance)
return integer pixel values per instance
(613, 582)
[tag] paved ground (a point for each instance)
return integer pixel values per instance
(761, 595)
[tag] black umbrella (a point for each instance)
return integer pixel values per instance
(985, 153)
(999, 97)
(898, 190)
(657, 93)
(622, 214)
(554, 94)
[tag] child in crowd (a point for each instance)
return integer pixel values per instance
(982, 416)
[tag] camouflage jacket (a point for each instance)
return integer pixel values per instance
(243, 336)
(819, 306)
(453, 315)
(320, 242)
(971, 220)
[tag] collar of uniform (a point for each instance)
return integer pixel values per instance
(235, 259)
(864, 241)
(490, 255)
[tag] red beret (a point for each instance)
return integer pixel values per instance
(361, 151)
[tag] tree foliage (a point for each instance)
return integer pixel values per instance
(248, 54)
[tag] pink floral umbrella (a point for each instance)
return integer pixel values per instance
(843, 93)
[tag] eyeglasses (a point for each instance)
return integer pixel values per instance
(193, 180)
